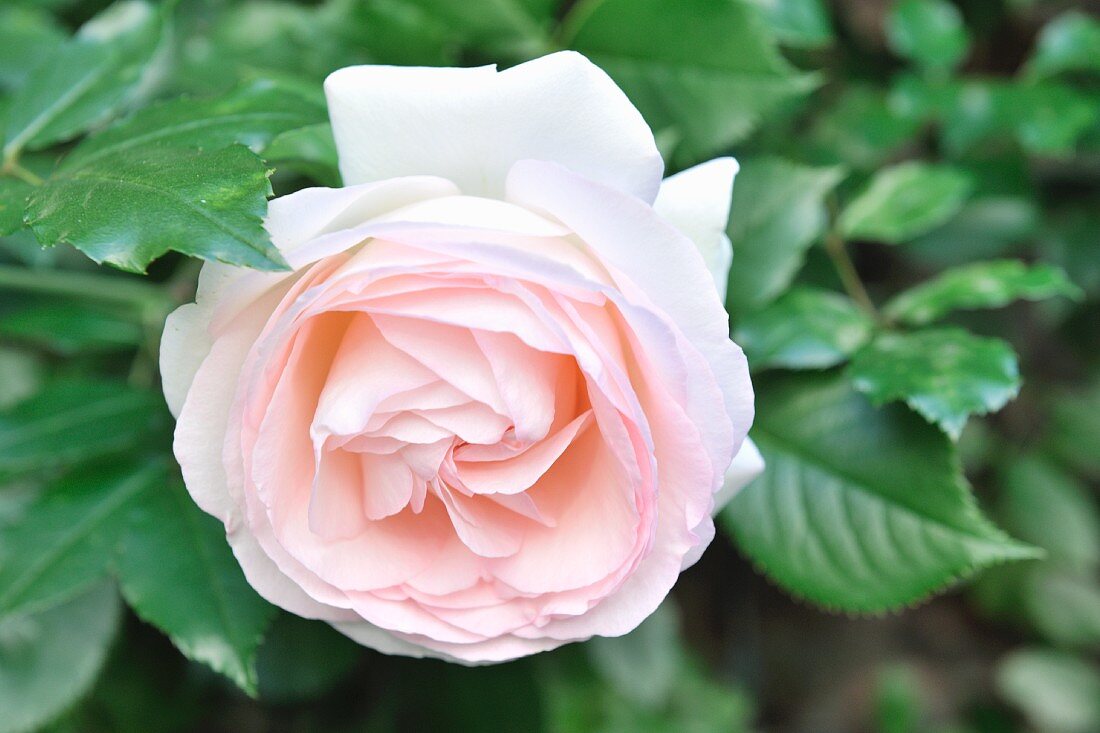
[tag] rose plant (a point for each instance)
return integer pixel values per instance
(494, 405)
(465, 388)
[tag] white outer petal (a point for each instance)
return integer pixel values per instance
(697, 202)
(746, 466)
(471, 125)
(184, 344)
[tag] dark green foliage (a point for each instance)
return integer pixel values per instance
(916, 241)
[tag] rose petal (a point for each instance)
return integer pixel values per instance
(697, 202)
(470, 125)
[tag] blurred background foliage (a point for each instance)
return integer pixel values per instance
(917, 220)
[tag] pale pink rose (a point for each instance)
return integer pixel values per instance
(491, 409)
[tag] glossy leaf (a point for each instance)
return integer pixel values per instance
(904, 201)
(13, 197)
(778, 212)
(929, 32)
(708, 70)
(50, 659)
(806, 328)
(309, 150)
(859, 508)
(86, 81)
(130, 208)
(68, 94)
(799, 23)
(76, 420)
(992, 284)
(68, 538)
(177, 572)
(944, 374)
(28, 36)
(252, 115)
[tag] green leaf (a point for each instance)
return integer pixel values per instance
(173, 563)
(992, 284)
(67, 539)
(402, 32)
(974, 111)
(1069, 240)
(86, 81)
(945, 374)
(62, 98)
(51, 659)
(177, 572)
(1070, 42)
(1074, 425)
(861, 129)
(798, 23)
(309, 150)
(70, 421)
(904, 201)
(144, 688)
(1051, 118)
(710, 70)
(985, 227)
(1064, 606)
(576, 699)
(68, 326)
(1047, 507)
(13, 197)
(643, 665)
(301, 659)
(516, 28)
(252, 115)
(806, 328)
(27, 38)
(129, 209)
(929, 32)
(1057, 692)
(778, 211)
(859, 508)
(1046, 118)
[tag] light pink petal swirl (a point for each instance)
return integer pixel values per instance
(474, 422)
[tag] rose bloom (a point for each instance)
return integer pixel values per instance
(493, 406)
